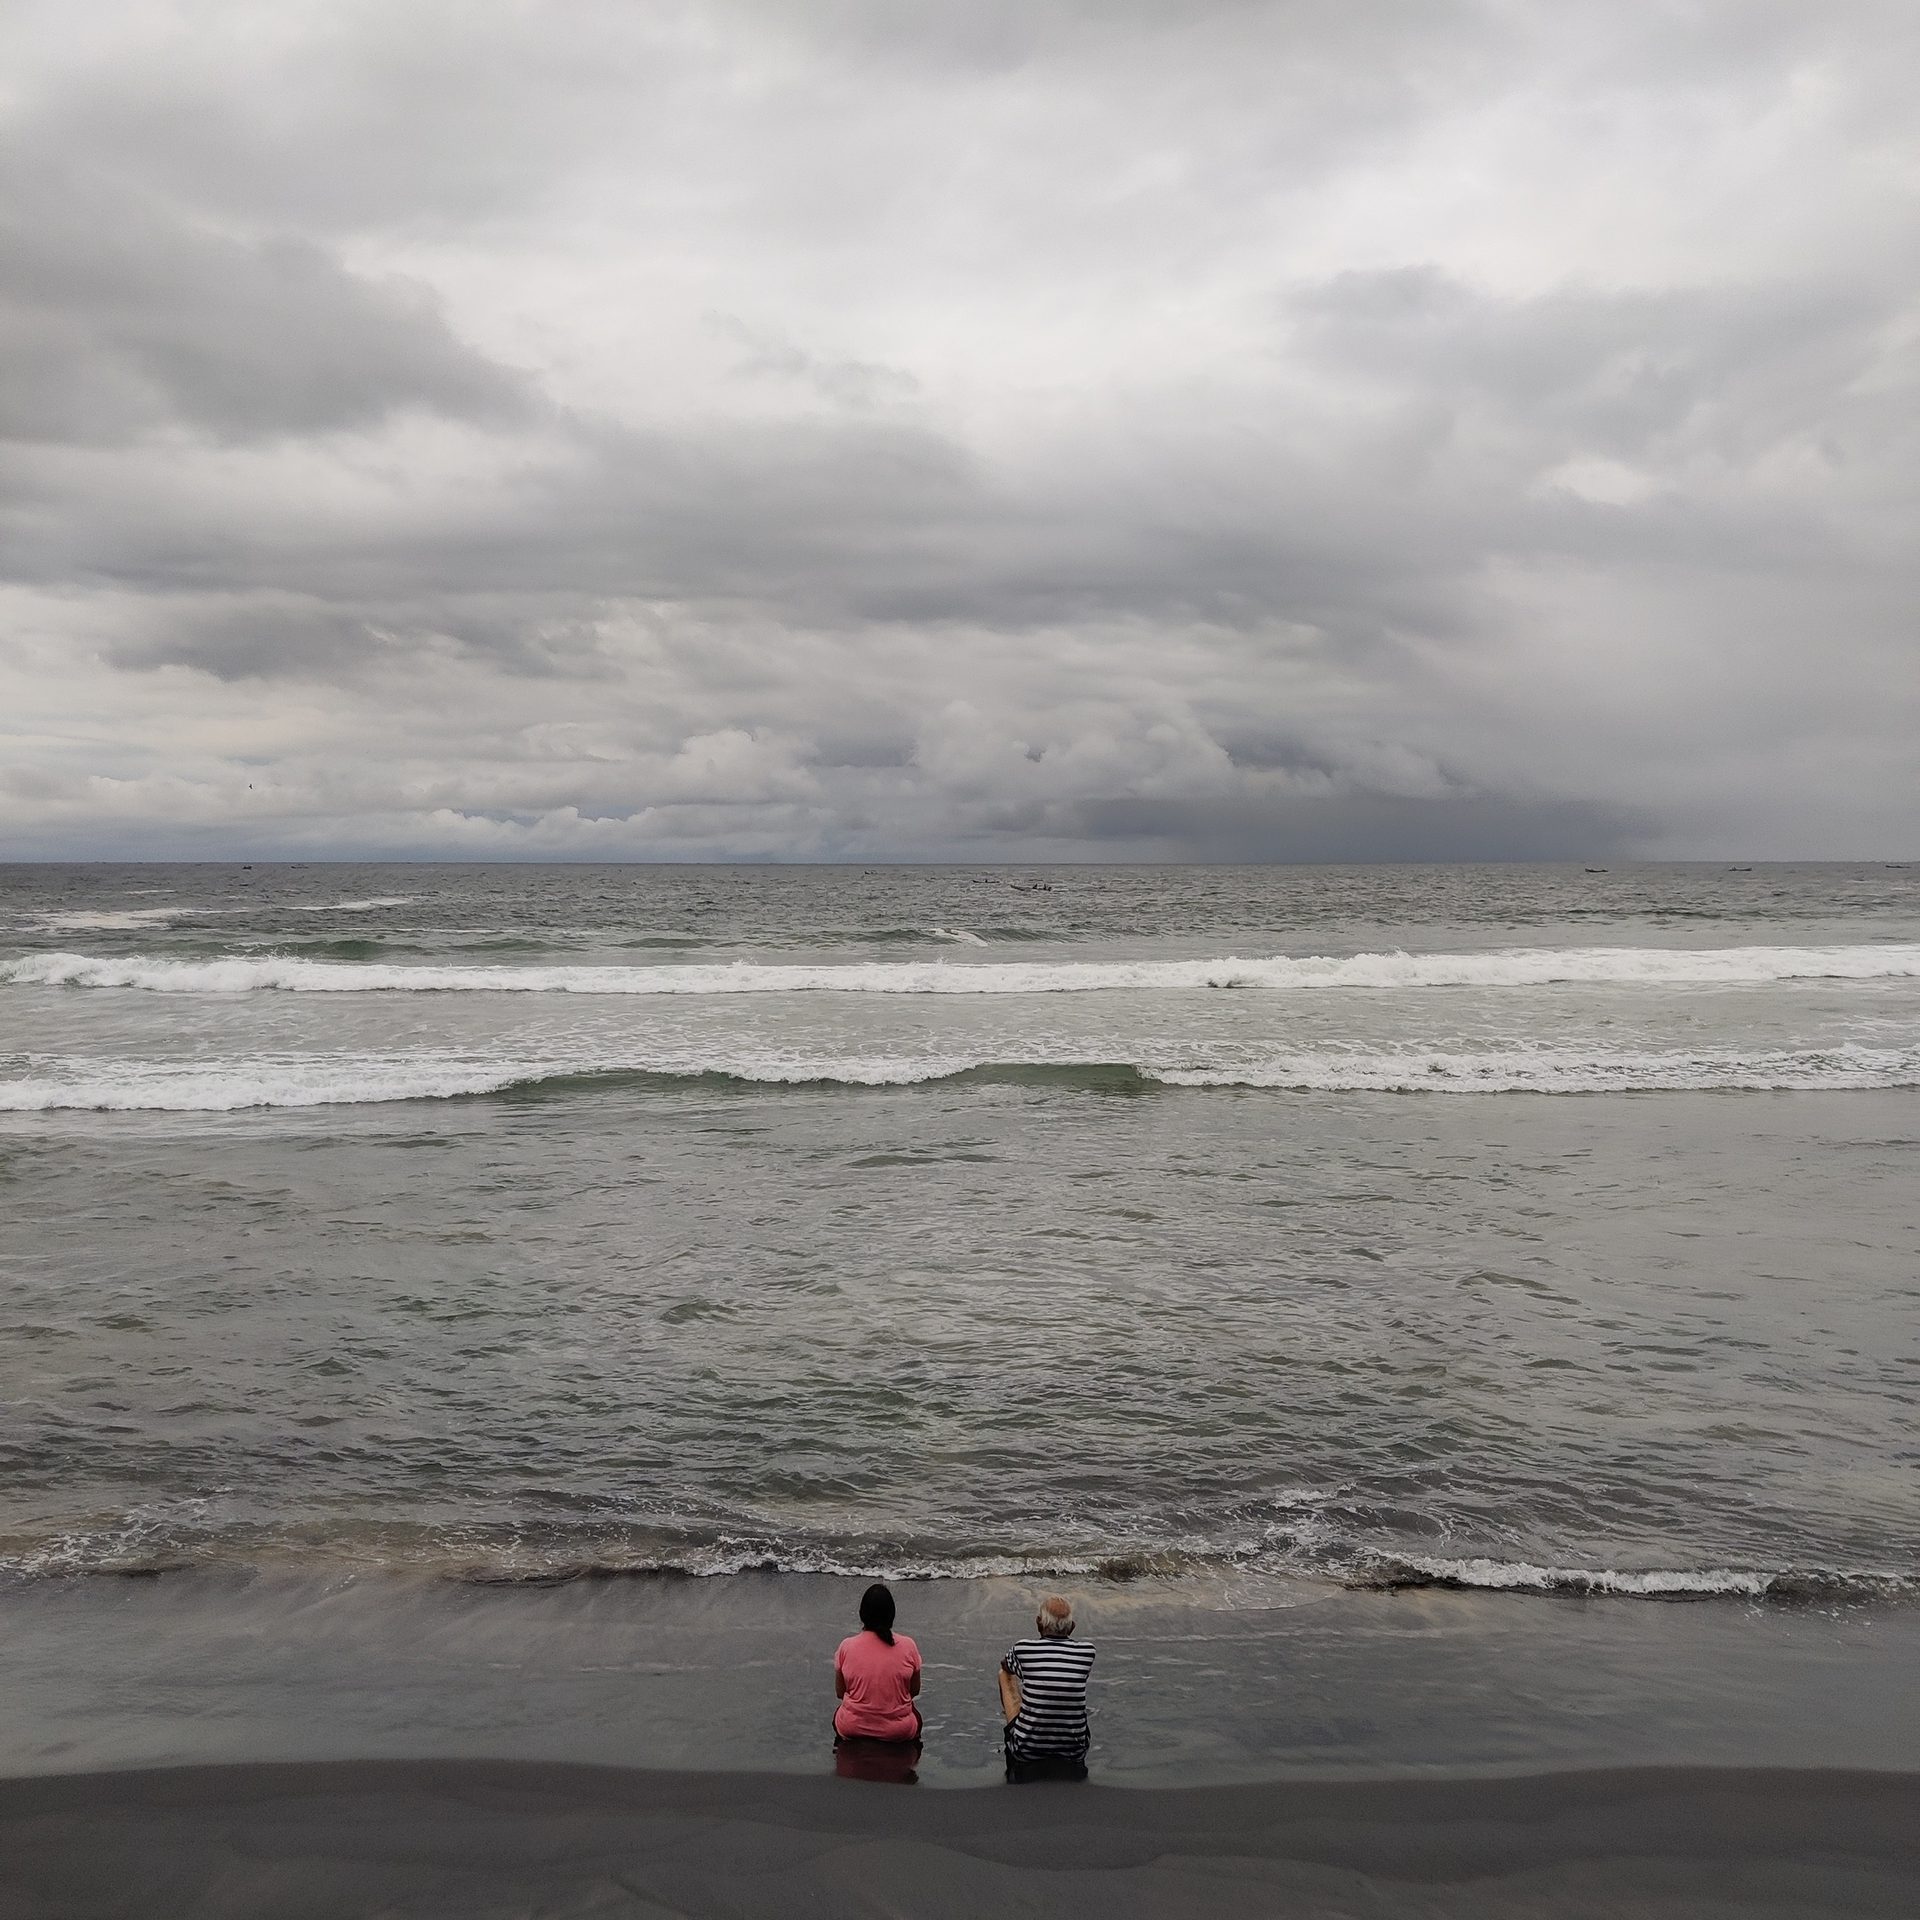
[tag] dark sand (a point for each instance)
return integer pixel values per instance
(280, 1746)
(476, 1839)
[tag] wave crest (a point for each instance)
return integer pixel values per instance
(356, 1080)
(1509, 967)
(511, 1555)
(1654, 1583)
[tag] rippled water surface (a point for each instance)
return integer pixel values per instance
(1507, 1226)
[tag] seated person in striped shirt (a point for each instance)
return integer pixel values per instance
(1043, 1691)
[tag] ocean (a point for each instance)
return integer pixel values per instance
(1510, 1227)
(1188, 1234)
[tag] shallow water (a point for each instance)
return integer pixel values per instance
(1197, 1680)
(1513, 1227)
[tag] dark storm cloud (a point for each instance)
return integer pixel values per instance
(1356, 827)
(120, 318)
(1260, 429)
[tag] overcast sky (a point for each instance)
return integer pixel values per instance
(1002, 429)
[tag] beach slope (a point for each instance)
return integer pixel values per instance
(486, 1838)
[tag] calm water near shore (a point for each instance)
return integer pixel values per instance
(1201, 1678)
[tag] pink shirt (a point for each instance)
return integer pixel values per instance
(878, 1705)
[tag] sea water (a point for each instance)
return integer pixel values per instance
(1518, 1228)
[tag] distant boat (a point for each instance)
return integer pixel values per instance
(1598, 869)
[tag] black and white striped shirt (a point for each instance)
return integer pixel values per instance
(1053, 1697)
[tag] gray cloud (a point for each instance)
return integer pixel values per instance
(849, 383)
(121, 318)
(1257, 430)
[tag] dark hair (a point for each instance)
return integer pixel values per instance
(876, 1611)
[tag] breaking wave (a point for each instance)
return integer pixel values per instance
(509, 1554)
(1671, 1583)
(361, 1079)
(1508, 967)
(126, 919)
(1844, 1068)
(358, 906)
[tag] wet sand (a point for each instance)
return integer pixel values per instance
(240, 1745)
(1198, 1683)
(493, 1838)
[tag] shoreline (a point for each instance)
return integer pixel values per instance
(1198, 1683)
(446, 1837)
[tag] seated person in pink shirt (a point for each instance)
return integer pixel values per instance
(876, 1677)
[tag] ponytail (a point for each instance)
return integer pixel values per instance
(876, 1612)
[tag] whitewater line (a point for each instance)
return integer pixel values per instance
(135, 1086)
(1507, 967)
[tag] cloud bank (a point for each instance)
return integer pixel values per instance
(1240, 429)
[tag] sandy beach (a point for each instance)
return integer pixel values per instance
(498, 1838)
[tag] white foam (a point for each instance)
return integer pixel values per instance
(1653, 1583)
(726, 1558)
(360, 1080)
(174, 1535)
(353, 1080)
(360, 906)
(130, 920)
(133, 919)
(1846, 1068)
(136, 1088)
(1510, 967)
(1511, 1575)
(125, 920)
(960, 935)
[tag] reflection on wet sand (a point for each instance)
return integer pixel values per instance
(885, 1763)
